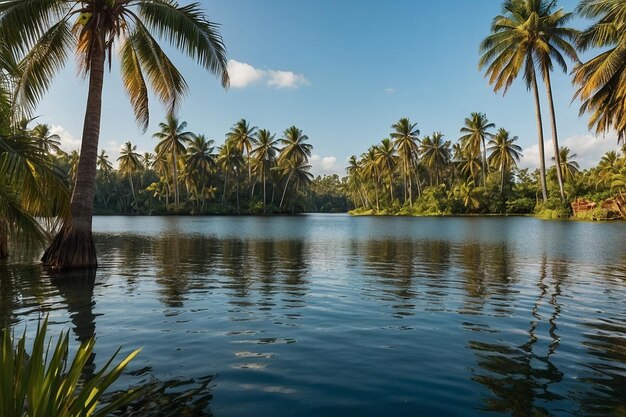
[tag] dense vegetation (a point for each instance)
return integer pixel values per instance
(469, 177)
(253, 172)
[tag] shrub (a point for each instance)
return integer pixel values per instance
(44, 384)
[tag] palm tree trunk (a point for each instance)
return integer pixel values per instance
(404, 171)
(555, 140)
(284, 191)
(502, 175)
(225, 182)
(73, 246)
(264, 184)
(132, 189)
(175, 173)
(542, 155)
(484, 163)
(237, 191)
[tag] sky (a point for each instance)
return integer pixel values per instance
(341, 70)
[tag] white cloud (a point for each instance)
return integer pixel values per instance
(286, 79)
(326, 165)
(588, 149)
(390, 90)
(242, 75)
(68, 141)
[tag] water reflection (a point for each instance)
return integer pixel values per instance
(520, 332)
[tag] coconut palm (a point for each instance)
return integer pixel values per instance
(48, 141)
(147, 159)
(528, 35)
(569, 168)
(435, 153)
(405, 137)
(265, 152)
(104, 165)
(372, 170)
(243, 136)
(504, 154)
(475, 131)
(387, 159)
(610, 165)
(295, 147)
(298, 172)
(129, 163)
(230, 160)
(601, 80)
(355, 181)
(46, 33)
(172, 138)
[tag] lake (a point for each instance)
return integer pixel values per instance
(332, 315)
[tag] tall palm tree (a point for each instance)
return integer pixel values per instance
(243, 137)
(569, 168)
(387, 159)
(435, 153)
(372, 170)
(610, 165)
(475, 131)
(355, 181)
(294, 144)
(200, 155)
(504, 153)
(529, 34)
(265, 152)
(147, 159)
(601, 80)
(405, 137)
(230, 160)
(129, 163)
(172, 138)
(46, 33)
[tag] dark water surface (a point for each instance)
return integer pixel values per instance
(328, 315)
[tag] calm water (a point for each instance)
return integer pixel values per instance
(337, 316)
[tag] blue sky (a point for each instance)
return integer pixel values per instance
(343, 71)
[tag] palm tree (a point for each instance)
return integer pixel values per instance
(405, 137)
(569, 168)
(610, 165)
(504, 153)
(73, 159)
(527, 35)
(46, 33)
(435, 153)
(355, 181)
(147, 159)
(103, 164)
(129, 163)
(601, 80)
(49, 142)
(386, 158)
(372, 170)
(475, 132)
(243, 137)
(265, 152)
(294, 144)
(171, 143)
(230, 160)
(200, 155)
(297, 170)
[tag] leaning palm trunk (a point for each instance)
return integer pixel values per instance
(542, 156)
(502, 179)
(280, 206)
(73, 245)
(555, 141)
(175, 173)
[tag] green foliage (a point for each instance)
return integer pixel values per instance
(45, 384)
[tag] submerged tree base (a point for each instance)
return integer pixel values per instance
(71, 248)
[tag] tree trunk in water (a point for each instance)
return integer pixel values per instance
(542, 156)
(555, 140)
(73, 245)
(4, 239)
